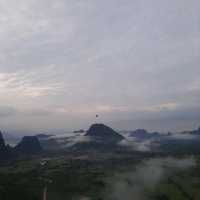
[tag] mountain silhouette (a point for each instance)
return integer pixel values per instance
(101, 138)
(2, 142)
(104, 133)
(28, 145)
(5, 150)
(143, 134)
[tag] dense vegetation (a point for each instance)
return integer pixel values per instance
(79, 178)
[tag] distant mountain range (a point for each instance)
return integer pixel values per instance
(143, 134)
(100, 137)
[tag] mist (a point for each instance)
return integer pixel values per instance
(136, 183)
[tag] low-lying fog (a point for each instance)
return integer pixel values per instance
(150, 143)
(146, 176)
(131, 142)
(135, 184)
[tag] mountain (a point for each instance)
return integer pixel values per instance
(5, 150)
(99, 138)
(104, 133)
(143, 134)
(29, 145)
(2, 142)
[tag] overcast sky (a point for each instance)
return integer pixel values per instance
(134, 62)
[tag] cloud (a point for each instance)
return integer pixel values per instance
(133, 144)
(6, 111)
(162, 107)
(134, 59)
(70, 139)
(30, 84)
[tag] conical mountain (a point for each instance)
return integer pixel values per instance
(103, 132)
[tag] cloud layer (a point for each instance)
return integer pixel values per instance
(65, 61)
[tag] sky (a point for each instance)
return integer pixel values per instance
(133, 62)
